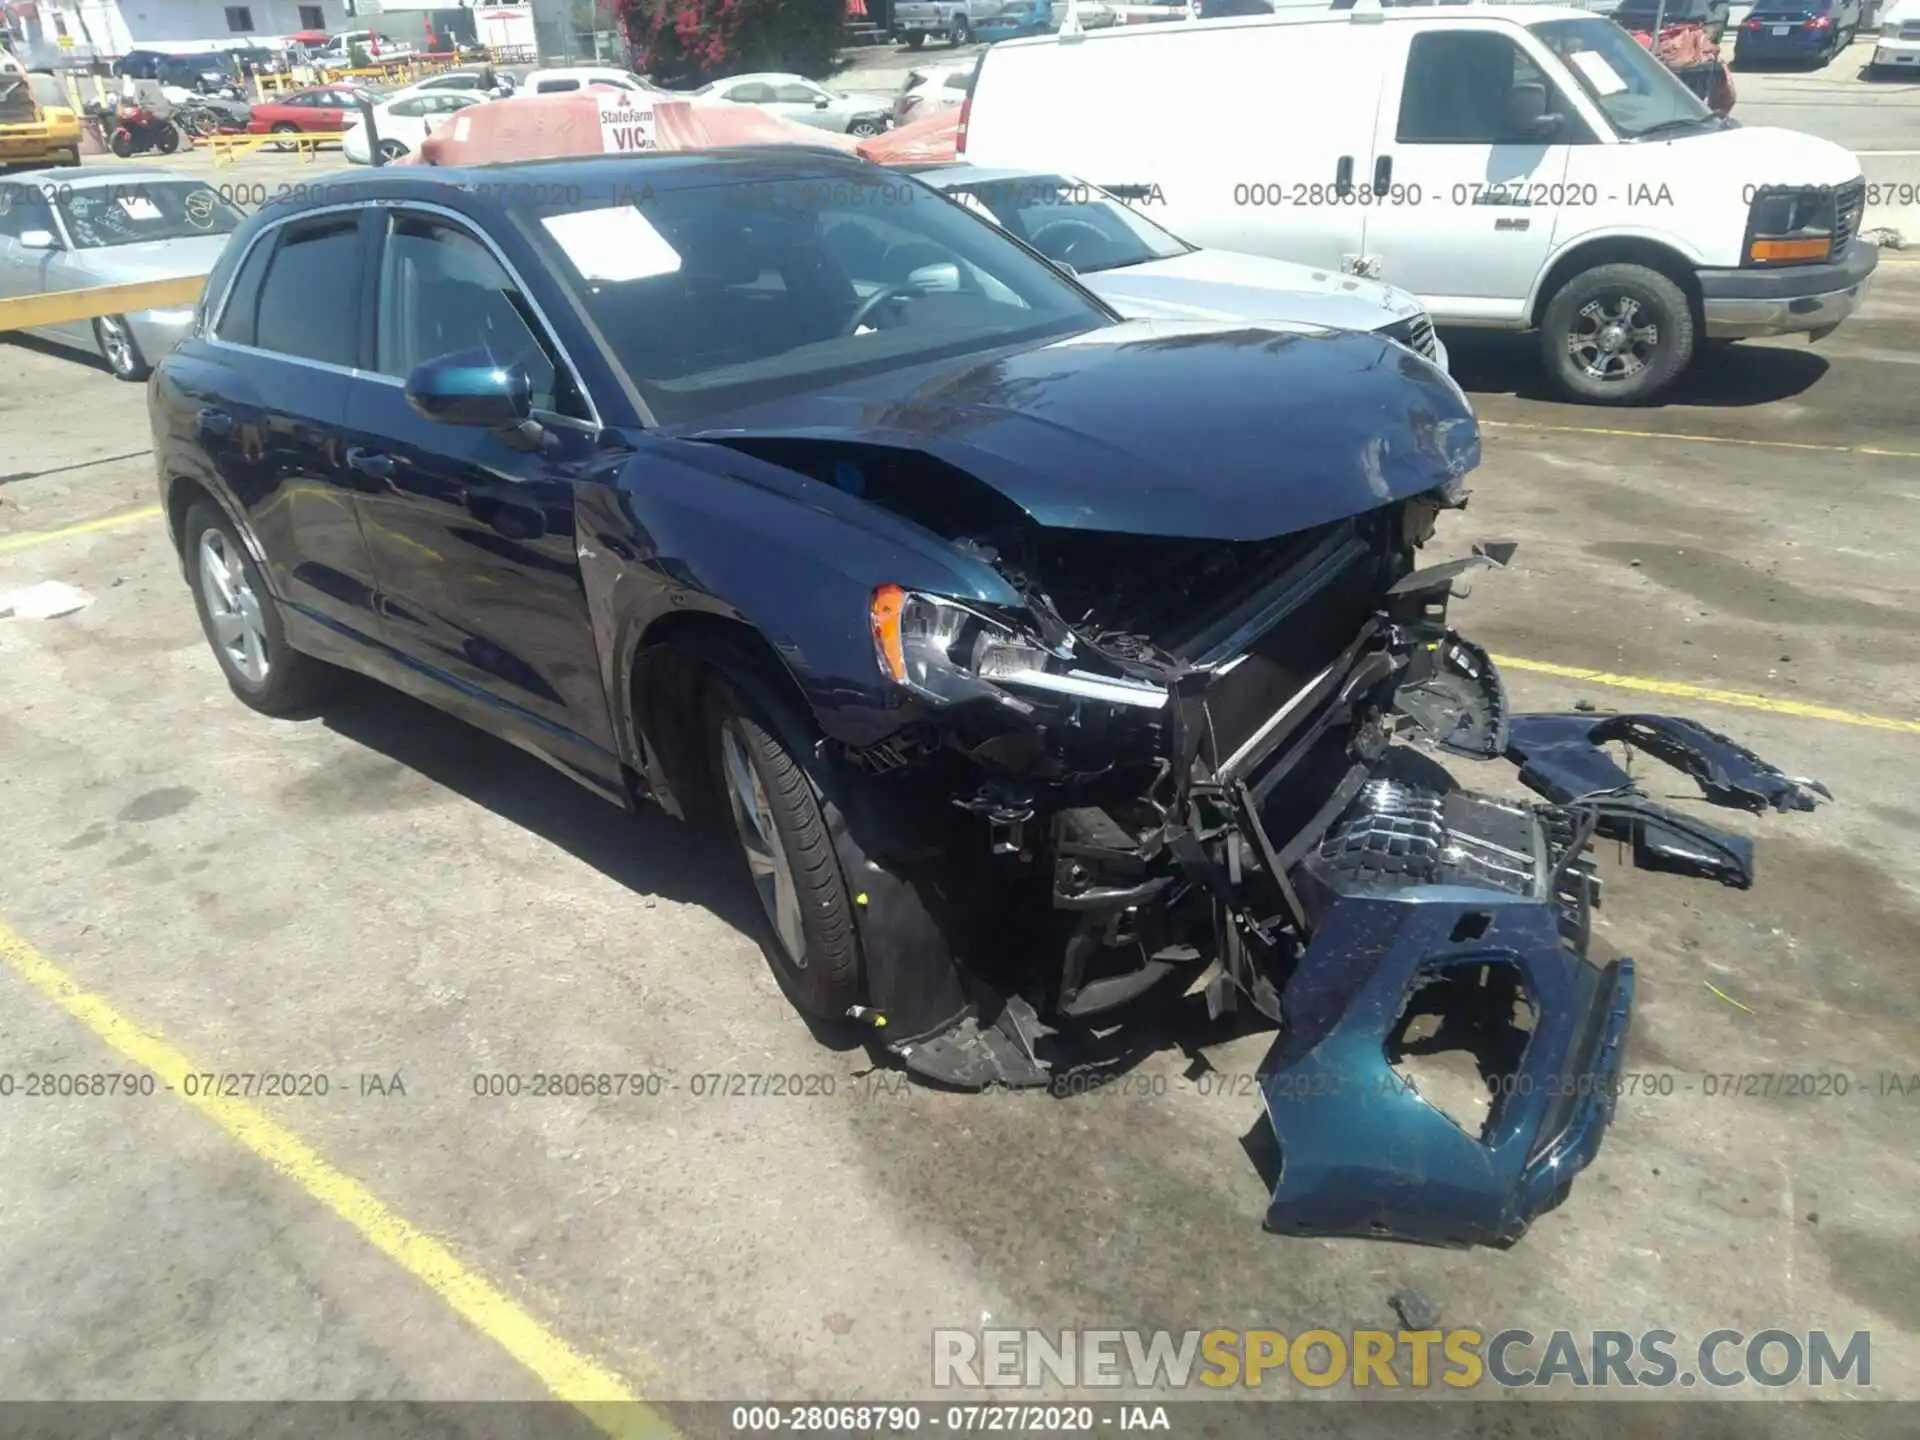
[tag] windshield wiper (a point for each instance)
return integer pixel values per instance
(1712, 122)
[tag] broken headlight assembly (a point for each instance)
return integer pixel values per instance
(947, 650)
(1791, 226)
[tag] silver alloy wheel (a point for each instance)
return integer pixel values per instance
(239, 631)
(1606, 342)
(864, 129)
(117, 343)
(391, 150)
(760, 838)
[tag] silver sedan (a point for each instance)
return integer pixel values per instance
(110, 225)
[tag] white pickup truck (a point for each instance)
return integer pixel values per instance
(960, 22)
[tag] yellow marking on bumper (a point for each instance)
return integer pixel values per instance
(62, 307)
(1699, 439)
(28, 539)
(1681, 691)
(599, 1394)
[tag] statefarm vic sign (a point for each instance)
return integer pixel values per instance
(625, 126)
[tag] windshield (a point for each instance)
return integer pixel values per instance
(1070, 222)
(99, 216)
(1637, 93)
(719, 296)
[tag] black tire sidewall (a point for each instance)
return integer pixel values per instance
(1653, 290)
(832, 978)
(961, 32)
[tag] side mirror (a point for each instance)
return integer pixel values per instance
(1527, 115)
(38, 240)
(820, 102)
(470, 387)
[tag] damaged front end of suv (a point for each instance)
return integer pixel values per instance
(1162, 762)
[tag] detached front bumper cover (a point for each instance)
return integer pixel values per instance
(1473, 913)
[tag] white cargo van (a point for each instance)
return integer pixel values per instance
(1516, 167)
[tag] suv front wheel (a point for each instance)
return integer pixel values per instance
(1617, 335)
(778, 818)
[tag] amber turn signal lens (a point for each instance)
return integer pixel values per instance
(888, 602)
(1791, 249)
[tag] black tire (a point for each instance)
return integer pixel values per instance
(825, 978)
(961, 32)
(285, 127)
(293, 682)
(120, 349)
(864, 129)
(1640, 371)
(167, 138)
(121, 142)
(915, 39)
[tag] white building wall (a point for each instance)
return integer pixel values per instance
(113, 27)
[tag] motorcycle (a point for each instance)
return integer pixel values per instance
(136, 129)
(215, 114)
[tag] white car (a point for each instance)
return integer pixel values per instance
(485, 83)
(796, 98)
(1147, 273)
(578, 77)
(1898, 47)
(928, 92)
(401, 124)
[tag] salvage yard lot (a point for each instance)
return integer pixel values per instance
(380, 892)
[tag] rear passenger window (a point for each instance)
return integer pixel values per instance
(549, 87)
(236, 325)
(309, 305)
(1457, 86)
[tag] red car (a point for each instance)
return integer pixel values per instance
(321, 110)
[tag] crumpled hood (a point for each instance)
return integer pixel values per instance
(1160, 428)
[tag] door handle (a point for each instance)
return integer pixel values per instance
(1382, 174)
(370, 463)
(1343, 175)
(215, 422)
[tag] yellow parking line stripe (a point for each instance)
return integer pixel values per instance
(602, 1396)
(1681, 691)
(27, 539)
(1699, 439)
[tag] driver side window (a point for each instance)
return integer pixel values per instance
(442, 290)
(1456, 89)
(795, 95)
(23, 208)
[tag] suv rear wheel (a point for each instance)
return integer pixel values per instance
(1617, 335)
(242, 622)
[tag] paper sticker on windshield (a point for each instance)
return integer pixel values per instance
(613, 244)
(198, 209)
(1602, 76)
(138, 207)
(625, 126)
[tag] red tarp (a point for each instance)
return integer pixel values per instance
(1682, 47)
(932, 139)
(542, 127)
